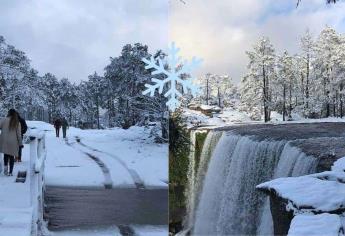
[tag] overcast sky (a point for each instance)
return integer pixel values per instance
(74, 38)
(220, 31)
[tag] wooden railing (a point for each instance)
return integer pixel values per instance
(36, 139)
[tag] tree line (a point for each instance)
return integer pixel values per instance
(310, 83)
(217, 90)
(112, 99)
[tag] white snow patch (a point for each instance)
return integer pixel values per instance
(323, 224)
(339, 165)
(149, 230)
(309, 191)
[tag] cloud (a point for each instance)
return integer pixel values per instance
(221, 31)
(75, 38)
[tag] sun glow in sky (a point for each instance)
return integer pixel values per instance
(221, 31)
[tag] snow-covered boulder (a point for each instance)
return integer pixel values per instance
(308, 193)
(322, 224)
(308, 205)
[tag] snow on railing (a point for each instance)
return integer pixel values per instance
(36, 139)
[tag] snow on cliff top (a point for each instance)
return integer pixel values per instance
(307, 192)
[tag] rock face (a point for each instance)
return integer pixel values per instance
(281, 217)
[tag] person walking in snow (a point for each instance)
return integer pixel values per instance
(64, 127)
(10, 139)
(57, 126)
(24, 128)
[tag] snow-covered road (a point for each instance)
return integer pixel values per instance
(131, 157)
(81, 170)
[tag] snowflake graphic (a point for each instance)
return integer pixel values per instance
(176, 68)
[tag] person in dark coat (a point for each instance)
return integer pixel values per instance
(64, 127)
(24, 128)
(57, 126)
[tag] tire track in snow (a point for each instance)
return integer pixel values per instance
(108, 182)
(139, 183)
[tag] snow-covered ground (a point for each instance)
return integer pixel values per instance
(226, 117)
(15, 210)
(123, 152)
(230, 116)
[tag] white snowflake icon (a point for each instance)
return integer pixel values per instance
(174, 77)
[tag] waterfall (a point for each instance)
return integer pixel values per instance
(195, 179)
(190, 193)
(228, 203)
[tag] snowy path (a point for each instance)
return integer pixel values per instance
(109, 183)
(121, 158)
(135, 176)
(15, 210)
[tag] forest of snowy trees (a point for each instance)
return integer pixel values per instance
(217, 90)
(117, 94)
(310, 83)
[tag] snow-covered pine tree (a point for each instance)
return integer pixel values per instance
(69, 100)
(221, 88)
(205, 84)
(251, 96)
(285, 83)
(307, 56)
(52, 92)
(261, 67)
(127, 75)
(324, 64)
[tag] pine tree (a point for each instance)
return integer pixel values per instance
(324, 65)
(261, 67)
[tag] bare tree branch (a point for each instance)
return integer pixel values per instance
(328, 1)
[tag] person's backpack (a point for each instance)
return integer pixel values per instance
(23, 125)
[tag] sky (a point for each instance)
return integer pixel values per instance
(221, 31)
(74, 38)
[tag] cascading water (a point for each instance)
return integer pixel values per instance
(225, 199)
(191, 176)
(195, 178)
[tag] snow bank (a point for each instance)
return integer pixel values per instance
(322, 224)
(321, 193)
(16, 222)
(195, 117)
(339, 165)
(226, 117)
(229, 116)
(309, 193)
(40, 125)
